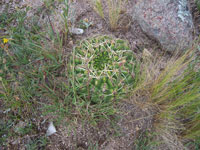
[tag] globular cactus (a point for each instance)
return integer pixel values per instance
(102, 68)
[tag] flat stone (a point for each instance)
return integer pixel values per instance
(167, 21)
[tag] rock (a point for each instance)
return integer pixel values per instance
(51, 129)
(76, 31)
(167, 21)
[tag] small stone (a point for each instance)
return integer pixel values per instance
(137, 128)
(71, 43)
(51, 129)
(7, 110)
(76, 31)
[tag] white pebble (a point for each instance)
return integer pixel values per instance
(51, 129)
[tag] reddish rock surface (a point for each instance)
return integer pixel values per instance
(167, 21)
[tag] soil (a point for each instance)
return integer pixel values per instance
(128, 30)
(134, 120)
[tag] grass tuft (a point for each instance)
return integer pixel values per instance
(115, 8)
(97, 6)
(174, 93)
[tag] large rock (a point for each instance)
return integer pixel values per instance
(167, 21)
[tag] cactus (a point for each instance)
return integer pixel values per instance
(102, 68)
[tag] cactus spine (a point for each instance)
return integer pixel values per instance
(103, 68)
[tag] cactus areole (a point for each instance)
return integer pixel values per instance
(102, 69)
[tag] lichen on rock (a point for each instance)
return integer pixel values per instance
(183, 10)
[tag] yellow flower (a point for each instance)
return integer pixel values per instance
(5, 40)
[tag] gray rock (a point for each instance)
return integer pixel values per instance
(167, 21)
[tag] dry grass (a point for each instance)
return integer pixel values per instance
(172, 93)
(97, 6)
(115, 8)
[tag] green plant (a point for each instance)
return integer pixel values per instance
(115, 7)
(38, 143)
(85, 24)
(198, 4)
(5, 19)
(26, 60)
(194, 144)
(145, 141)
(48, 3)
(97, 6)
(179, 96)
(191, 111)
(174, 93)
(5, 128)
(65, 16)
(102, 68)
(93, 146)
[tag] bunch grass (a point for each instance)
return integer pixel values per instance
(115, 7)
(65, 16)
(98, 7)
(174, 93)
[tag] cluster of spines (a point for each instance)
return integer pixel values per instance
(105, 64)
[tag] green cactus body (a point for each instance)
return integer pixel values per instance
(103, 68)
